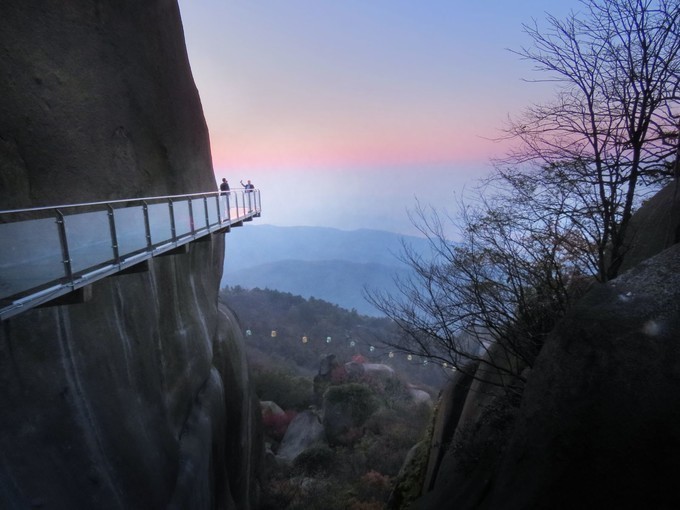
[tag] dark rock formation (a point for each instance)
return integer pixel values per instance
(139, 398)
(601, 409)
(322, 380)
(597, 424)
(97, 103)
(653, 228)
(451, 404)
(303, 432)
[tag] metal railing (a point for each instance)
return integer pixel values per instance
(48, 252)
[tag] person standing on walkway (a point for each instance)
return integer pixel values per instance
(224, 187)
(224, 191)
(249, 187)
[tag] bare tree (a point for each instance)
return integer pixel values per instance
(612, 130)
(555, 212)
(503, 284)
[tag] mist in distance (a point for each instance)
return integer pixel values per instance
(355, 198)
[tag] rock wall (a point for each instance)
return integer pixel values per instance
(97, 103)
(140, 397)
(654, 227)
(597, 423)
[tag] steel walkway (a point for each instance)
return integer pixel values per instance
(50, 255)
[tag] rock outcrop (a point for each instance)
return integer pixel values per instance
(97, 103)
(139, 398)
(303, 432)
(597, 423)
(654, 227)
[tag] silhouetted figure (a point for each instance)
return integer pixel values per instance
(224, 187)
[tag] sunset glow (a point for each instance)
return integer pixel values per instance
(304, 150)
(356, 87)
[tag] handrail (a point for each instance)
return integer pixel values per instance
(45, 256)
(106, 202)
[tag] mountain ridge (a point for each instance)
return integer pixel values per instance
(322, 262)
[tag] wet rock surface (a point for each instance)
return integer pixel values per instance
(139, 398)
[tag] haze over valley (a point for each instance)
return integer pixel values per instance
(326, 263)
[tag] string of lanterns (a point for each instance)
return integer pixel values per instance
(352, 343)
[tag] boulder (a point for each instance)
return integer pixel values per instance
(420, 396)
(354, 370)
(378, 369)
(304, 431)
(326, 366)
(357, 369)
(449, 409)
(472, 425)
(270, 408)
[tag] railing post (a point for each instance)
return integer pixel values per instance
(65, 255)
(191, 217)
(207, 216)
(217, 203)
(114, 237)
(147, 225)
(172, 220)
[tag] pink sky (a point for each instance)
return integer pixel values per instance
(410, 90)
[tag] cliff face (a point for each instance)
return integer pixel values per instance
(97, 102)
(597, 423)
(140, 397)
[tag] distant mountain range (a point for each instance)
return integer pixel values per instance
(325, 263)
